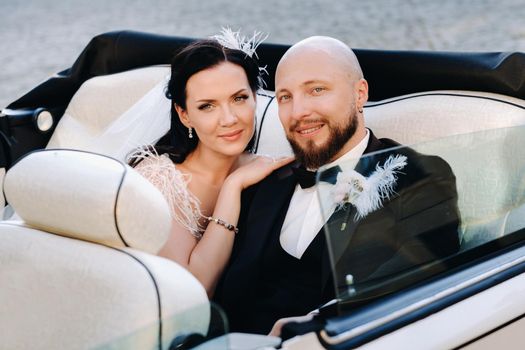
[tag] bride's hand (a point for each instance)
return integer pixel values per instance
(255, 169)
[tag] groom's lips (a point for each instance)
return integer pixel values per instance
(309, 130)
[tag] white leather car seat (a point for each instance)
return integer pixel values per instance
(78, 266)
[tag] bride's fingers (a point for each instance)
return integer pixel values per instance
(274, 159)
(281, 161)
(258, 169)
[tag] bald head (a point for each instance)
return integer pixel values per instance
(331, 49)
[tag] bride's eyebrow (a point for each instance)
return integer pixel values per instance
(238, 92)
(204, 100)
(212, 100)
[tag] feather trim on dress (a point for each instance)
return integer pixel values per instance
(173, 184)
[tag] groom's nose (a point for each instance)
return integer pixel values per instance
(300, 108)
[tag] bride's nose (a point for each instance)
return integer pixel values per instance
(228, 117)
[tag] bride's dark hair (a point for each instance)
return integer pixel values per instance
(198, 56)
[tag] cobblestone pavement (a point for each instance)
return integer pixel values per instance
(41, 37)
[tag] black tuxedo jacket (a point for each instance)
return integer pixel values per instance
(417, 225)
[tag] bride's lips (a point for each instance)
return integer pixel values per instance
(232, 135)
(309, 130)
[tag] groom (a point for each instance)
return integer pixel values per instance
(280, 265)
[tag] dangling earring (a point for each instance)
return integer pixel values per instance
(360, 110)
(190, 132)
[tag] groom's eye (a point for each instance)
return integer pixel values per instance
(283, 98)
(318, 89)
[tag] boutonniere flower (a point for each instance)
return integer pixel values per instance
(368, 193)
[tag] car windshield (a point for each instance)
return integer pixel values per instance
(401, 215)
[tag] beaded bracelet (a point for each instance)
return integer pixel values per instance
(223, 223)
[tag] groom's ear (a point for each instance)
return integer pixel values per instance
(361, 89)
(183, 115)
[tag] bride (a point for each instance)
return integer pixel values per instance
(212, 88)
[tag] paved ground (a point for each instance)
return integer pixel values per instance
(40, 37)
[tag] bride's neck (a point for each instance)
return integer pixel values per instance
(209, 164)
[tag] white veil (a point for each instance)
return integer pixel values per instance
(144, 123)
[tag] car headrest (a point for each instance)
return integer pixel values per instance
(100, 102)
(90, 197)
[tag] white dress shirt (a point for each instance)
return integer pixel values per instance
(306, 215)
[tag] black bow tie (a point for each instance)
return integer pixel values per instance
(306, 178)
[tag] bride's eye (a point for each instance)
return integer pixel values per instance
(240, 98)
(205, 106)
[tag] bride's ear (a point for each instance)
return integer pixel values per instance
(183, 115)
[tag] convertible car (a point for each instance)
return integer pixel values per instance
(80, 228)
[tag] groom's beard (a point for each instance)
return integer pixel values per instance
(313, 156)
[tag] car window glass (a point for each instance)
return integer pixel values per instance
(404, 214)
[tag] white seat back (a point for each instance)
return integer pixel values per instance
(483, 195)
(74, 269)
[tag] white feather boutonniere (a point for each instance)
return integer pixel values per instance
(368, 193)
